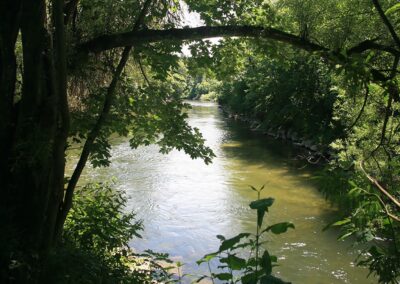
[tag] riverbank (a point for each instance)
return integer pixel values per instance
(317, 153)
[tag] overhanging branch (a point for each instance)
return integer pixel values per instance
(135, 38)
(372, 45)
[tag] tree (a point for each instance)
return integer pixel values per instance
(58, 40)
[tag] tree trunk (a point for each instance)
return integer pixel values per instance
(33, 139)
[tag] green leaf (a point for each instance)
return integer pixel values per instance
(342, 222)
(260, 217)
(262, 203)
(266, 263)
(346, 235)
(337, 223)
(253, 188)
(251, 278)
(279, 228)
(221, 237)
(252, 262)
(229, 243)
(393, 9)
(261, 206)
(223, 276)
(207, 258)
(352, 183)
(234, 262)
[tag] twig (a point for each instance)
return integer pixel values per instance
(380, 187)
(142, 70)
(362, 108)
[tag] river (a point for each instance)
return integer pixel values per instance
(184, 203)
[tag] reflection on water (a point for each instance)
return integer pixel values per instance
(185, 204)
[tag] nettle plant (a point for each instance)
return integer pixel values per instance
(234, 266)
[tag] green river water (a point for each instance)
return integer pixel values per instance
(184, 203)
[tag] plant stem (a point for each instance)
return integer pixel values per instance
(209, 269)
(257, 238)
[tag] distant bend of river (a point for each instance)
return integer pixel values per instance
(184, 203)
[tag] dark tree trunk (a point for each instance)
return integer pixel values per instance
(9, 25)
(33, 139)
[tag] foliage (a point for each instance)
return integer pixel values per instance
(96, 238)
(366, 218)
(257, 267)
(295, 94)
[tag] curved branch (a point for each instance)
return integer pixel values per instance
(134, 38)
(362, 108)
(372, 45)
(142, 70)
(137, 38)
(87, 147)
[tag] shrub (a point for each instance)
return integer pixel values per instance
(95, 241)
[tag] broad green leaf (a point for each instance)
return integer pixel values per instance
(262, 203)
(266, 263)
(223, 276)
(229, 243)
(261, 206)
(260, 217)
(279, 228)
(207, 258)
(234, 262)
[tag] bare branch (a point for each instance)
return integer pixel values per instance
(379, 186)
(362, 108)
(142, 70)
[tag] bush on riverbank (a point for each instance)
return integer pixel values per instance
(95, 242)
(297, 95)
